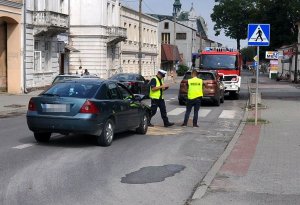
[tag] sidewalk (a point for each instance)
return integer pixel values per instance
(263, 165)
(15, 102)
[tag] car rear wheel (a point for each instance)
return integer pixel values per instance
(222, 98)
(143, 127)
(107, 134)
(42, 136)
(218, 101)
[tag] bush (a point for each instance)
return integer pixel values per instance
(182, 69)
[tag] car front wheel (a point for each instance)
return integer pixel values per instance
(143, 127)
(42, 136)
(107, 134)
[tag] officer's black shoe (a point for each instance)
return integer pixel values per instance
(196, 125)
(183, 125)
(150, 125)
(169, 124)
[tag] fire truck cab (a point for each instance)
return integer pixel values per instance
(228, 63)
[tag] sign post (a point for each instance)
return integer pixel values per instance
(258, 35)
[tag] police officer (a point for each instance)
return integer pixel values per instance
(157, 87)
(195, 94)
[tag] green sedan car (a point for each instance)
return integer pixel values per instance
(87, 106)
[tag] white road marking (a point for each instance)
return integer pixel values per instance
(204, 112)
(172, 98)
(23, 146)
(176, 111)
(229, 114)
(167, 100)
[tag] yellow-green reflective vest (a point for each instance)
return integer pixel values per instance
(156, 94)
(195, 88)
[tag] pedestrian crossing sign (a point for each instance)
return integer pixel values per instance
(258, 34)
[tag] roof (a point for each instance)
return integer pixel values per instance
(169, 52)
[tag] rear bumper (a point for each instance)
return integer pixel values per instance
(183, 97)
(58, 125)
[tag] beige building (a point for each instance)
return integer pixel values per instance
(11, 46)
(130, 47)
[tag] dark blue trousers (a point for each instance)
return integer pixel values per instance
(189, 105)
(155, 103)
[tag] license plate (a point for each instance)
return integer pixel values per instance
(56, 107)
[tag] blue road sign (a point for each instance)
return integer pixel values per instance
(258, 34)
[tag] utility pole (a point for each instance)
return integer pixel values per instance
(174, 48)
(140, 37)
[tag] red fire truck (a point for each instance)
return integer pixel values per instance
(228, 63)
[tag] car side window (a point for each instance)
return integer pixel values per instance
(113, 91)
(125, 94)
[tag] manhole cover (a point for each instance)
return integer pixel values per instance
(152, 174)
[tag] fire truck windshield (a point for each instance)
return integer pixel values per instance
(217, 62)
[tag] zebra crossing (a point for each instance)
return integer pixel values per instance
(225, 114)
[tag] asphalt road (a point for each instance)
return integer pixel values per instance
(162, 167)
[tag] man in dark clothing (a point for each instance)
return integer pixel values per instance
(157, 88)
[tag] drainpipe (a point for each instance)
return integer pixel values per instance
(24, 47)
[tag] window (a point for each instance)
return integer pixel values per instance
(165, 38)
(37, 61)
(125, 94)
(166, 25)
(36, 45)
(113, 91)
(180, 36)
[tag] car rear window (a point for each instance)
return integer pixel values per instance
(72, 89)
(202, 75)
(206, 76)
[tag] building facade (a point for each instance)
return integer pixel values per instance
(150, 60)
(95, 32)
(45, 22)
(11, 46)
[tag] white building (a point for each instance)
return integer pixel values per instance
(130, 48)
(45, 21)
(95, 32)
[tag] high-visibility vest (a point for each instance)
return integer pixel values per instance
(195, 88)
(157, 93)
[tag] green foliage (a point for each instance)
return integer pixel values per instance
(248, 53)
(182, 69)
(233, 16)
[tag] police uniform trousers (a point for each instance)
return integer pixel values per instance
(155, 103)
(189, 105)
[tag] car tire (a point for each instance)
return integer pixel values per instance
(222, 99)
(106, 137)
(143, 127)
(217, 101)
(42, 136)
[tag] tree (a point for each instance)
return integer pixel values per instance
(248, 53)
(233, 16)
(282, 18)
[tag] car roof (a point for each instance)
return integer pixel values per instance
(87, 80)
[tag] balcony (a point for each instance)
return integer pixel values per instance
(116, 34)
(49, 22)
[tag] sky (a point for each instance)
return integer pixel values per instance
(203, 8)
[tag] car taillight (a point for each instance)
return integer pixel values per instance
(89, 107)
(31, 105)
(131, 83)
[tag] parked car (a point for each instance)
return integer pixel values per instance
(213, 87)
(62, 77)
(135, 82)
(87, 106)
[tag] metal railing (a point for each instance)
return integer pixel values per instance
(50, 18)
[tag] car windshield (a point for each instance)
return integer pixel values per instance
(224, 62)
(72, 89)
(123, 77)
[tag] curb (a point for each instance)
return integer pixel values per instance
(208, 178)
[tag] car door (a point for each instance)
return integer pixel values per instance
(134, 106)
(143, 85)
(119, 108)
